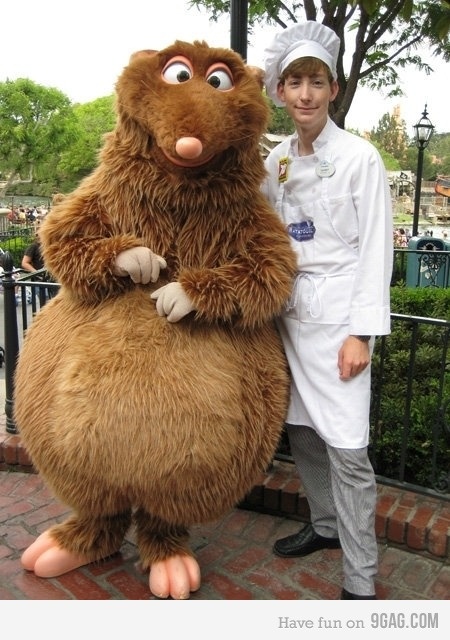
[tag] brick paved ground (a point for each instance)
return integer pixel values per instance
(234, 554)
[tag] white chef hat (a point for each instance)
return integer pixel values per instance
(302, 40)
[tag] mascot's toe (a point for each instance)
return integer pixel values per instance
(176, 577)
(48, 560)
(39, 546)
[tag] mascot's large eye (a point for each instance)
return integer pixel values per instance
(220, 77)
(177, 71)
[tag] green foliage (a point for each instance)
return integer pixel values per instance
(391, 139)
(390, 134)
(390, 162)
(439, 147)
(17, 241)
(424, 302)
(93, 120)
(48, 145)
(281, 122)
(430, 168)
(36, 124)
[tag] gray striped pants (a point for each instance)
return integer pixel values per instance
(341, 491)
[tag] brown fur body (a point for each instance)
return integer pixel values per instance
(137, 417)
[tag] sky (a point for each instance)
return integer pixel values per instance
(81, 48)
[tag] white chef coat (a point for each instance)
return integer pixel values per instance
(336, 205)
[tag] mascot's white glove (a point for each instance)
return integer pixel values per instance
(141, 264)
(172, 301)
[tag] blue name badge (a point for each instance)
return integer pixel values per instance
(302, 231)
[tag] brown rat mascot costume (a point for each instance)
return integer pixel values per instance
(164, 387)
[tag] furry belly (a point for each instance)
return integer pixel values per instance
(175, 418)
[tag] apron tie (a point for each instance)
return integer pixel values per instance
(314, 301)
(314, 307)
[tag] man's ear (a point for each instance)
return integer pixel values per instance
(280, 91)
(334, 90)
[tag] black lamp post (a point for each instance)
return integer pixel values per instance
(423, 132)
(239, 26)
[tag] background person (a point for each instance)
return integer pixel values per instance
(33, 261)
(331, 190)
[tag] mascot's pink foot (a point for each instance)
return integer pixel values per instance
(176, 577)
(48, 560)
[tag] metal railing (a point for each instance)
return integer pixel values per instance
(410, 426)
(16, 282)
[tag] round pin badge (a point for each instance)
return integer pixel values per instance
(325, 169)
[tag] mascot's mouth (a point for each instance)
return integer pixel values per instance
(186, 162)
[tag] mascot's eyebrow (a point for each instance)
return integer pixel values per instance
(179, 69)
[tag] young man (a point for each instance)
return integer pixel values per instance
(331, 190)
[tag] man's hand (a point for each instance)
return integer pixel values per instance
(140, 263)
(353, 357)
(172, 301)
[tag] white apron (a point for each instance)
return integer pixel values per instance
(317, 322)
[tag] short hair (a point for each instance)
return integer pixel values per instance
(305, 66)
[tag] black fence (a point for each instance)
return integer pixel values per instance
(410, 411)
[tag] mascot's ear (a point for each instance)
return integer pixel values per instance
(57, 197)
(258, 74)
(141, 54)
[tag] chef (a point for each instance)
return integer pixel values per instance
(330, 188)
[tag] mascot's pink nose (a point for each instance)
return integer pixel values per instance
(189, 148)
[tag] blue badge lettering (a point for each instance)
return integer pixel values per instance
(302, 231)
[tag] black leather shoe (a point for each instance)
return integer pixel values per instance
(304, 542)
(346, 595)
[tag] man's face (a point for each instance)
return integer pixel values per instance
(307, 98)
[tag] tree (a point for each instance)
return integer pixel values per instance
(36, 124)
(429, 169)
(390, 162)
(439, 147)
(390, 134)
(379, 38)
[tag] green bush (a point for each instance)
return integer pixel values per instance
(16, 244)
